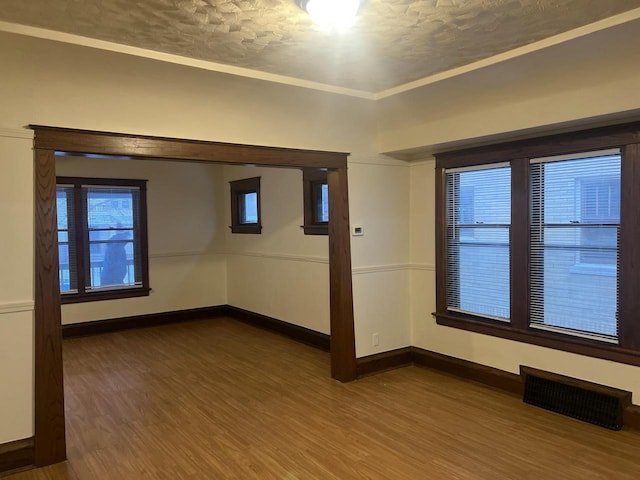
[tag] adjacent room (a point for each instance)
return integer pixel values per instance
(255, 239)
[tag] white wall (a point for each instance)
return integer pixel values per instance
(379, 203)
(50, 83)
(187, 263)
(594, 77)
(16, 280)
(282, 272)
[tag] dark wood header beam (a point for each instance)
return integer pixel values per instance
(107, 143)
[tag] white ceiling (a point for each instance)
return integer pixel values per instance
(393, 43)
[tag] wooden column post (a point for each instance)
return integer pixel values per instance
(343, 350)
(50, 446)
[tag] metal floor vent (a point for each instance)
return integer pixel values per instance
(584, 401)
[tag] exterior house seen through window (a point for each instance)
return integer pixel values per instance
(102, 245)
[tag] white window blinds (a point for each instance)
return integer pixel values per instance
(575, 225)
(478, 249)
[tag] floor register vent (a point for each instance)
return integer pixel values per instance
(575, 398)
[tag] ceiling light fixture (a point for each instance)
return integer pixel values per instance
(336, 15)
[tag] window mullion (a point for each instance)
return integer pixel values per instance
(629, 258)
(81, 247)
(520, 243)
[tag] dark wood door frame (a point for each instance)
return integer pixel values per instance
(49, 438)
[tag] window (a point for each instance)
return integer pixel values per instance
(102, 240)
(575, 218)
(316, 202)
(245, 205)
(538, 241)
(478, 222)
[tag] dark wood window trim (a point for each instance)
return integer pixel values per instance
(312, 180)
(81, 248)
(240, 188)
(518, 153)
(49, 424)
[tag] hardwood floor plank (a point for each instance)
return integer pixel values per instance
(225, 400)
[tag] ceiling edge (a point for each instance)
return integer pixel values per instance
(178, 59)
(610, 22)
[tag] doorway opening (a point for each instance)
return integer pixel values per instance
(49, 437)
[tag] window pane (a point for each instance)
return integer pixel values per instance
(63, 197)
(321, 197)
(478, 224)
(249, 207)
(64, 271)
(109, 207)
(574, 240)
(112, 224)
(66, 259)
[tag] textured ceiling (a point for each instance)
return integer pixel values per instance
(393, 42)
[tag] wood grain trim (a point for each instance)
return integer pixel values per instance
(140, 321)
(295, 332)
(18, 454)
(557, 341)
(519, 244)
(50, 446)
(559, 144)
(509, 382)
(441, 240)
(109, 143)
(381, 362)
(629, 248)
(631, 417)
(343, 345)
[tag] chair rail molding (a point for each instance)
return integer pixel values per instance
(16, 307)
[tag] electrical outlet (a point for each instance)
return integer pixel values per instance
(375, 339)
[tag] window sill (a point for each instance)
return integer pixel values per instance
(556, 341)
(106, 295)
(254, 229)
(315, 229)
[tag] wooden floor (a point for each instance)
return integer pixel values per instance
(219, 399)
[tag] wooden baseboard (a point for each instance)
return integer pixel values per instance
(18, 454)
(300, 334)
(139, 321)
(631, 417)
(381, 362)
(509, 382)
(295, 332)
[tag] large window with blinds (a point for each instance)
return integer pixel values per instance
(102, 238)
(539, 240)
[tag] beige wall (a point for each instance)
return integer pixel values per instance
(587, 79)
(282, 272)
(16, 280)
(187, 264)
